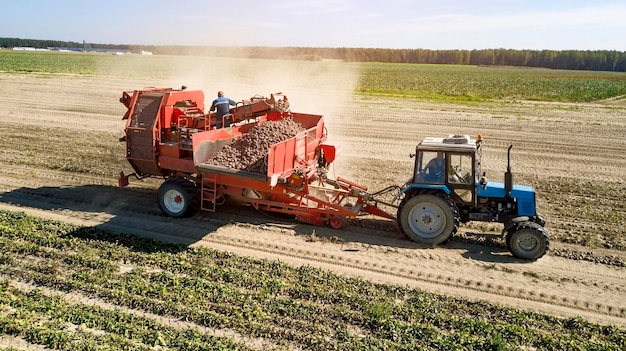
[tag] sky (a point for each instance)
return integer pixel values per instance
(397, 24)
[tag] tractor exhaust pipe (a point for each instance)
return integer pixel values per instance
(508, 176)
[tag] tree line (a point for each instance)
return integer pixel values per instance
(597, 60)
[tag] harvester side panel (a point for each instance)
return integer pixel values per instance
(282, 156)
(141, 129)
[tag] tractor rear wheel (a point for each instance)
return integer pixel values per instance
(178, 197)
(428, 219)
(528, 240)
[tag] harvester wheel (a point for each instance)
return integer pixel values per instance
(336, 222)
(178, 197)
(528, 240)
(429, 219)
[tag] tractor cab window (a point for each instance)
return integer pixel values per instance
(460, 176)
(460, 169)
(431, 167)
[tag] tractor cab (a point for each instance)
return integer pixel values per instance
(450, 164)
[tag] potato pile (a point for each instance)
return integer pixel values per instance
(248, 151)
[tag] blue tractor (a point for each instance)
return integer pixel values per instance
(446, 190)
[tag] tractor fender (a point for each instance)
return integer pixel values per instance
(409, 189)
(512, 223)
(539, 220)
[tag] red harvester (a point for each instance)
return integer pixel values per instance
(169, 136)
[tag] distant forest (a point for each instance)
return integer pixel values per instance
(598, 60)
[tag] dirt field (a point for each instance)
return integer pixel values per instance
(571, 153)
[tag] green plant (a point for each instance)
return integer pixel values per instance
(303, 307)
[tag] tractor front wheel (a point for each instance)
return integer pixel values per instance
(528, 240)
(428, 219)
(178, 197)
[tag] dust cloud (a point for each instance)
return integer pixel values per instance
(317, 87)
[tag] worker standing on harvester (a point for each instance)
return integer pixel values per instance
(222, 105)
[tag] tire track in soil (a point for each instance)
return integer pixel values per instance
(546, 159)
(413, 274)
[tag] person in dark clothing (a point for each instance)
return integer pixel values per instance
(222, 106)
(435, 169)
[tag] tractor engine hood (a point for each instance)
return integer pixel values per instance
(496, 189)
(525, 196)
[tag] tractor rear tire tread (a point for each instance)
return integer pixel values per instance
(447, 207)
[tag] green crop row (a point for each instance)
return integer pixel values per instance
(90, 63)
(47, 62)
(49, 320)
(302, 307)
(472, 83)
(438, 82)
